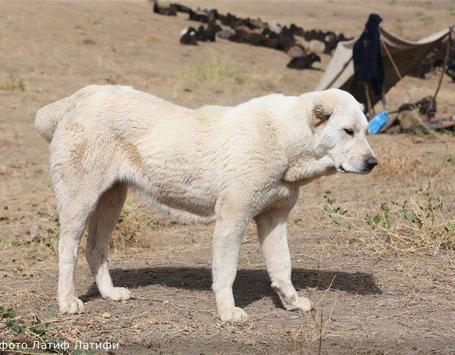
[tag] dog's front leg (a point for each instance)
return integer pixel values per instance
(229, 230)
(272, 232)
(309, 169)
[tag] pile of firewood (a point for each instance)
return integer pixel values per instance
(418, 117)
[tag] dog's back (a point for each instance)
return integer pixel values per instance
(107, 106)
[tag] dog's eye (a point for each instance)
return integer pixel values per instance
(349, 131)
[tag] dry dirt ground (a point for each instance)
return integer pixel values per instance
(381, 276)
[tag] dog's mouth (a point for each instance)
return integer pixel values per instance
(343, 170)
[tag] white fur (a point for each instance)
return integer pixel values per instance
(229, 164)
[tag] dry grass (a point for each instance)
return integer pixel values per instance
(91, 18)
(131, 231)
(13, 82)
(398, 160)
(217, 70)
(28, 329)
(168, 266)
(418, 223)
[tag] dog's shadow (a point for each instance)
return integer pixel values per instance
(249, 286)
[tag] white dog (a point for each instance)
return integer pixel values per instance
(228, 164)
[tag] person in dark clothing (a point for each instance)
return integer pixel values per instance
(367, 56)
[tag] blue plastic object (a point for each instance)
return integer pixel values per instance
(377, 122)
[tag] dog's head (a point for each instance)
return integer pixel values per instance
(339, 127)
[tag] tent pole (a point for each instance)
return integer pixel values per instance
(370, 106)
(444, 68)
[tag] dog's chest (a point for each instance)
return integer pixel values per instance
(279, 195)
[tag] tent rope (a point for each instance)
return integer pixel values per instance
(389, 55)
(345, 65)
(446, 62)
(394, 65)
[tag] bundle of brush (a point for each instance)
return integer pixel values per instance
(426, 106)
(413, 117)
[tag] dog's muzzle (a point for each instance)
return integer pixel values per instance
(367, 165)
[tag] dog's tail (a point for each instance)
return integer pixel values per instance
(48, 117)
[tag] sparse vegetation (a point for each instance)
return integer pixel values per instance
(126, 236)
(91, 18)
(427, 20)
(36, 246)
(129, 225)
(38, 256)
(417, 224)
(398, 161)
(372, 238)
(13, 82)
(283, 78)
(302, 338)
(216, 69)
(420, 14)
(398, 25)
(30, 328)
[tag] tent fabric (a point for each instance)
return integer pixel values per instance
(406, 55)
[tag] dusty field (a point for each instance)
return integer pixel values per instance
(383, 279)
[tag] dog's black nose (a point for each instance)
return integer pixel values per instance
(370, 163)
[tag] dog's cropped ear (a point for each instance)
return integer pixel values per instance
(320, 113)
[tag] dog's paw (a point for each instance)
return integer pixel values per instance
(302, 304)
(71, 305)
(235, 314)
(118, 294)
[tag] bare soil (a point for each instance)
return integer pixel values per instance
(371, 297)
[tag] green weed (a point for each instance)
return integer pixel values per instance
(418, 224)
(30, 327)
(217, 70)
(13, 82)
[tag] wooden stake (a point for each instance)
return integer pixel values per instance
(446, 61)
(370, 106)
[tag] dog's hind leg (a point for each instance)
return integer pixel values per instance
(272, 232)
(229, 230)
(84, 166)
(73, 215)
(101, 224)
